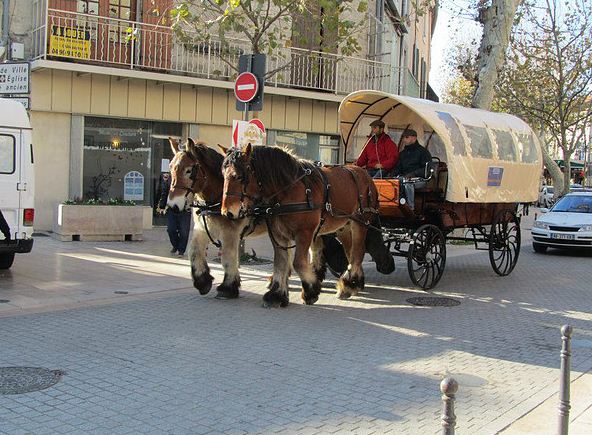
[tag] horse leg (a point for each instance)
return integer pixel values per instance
(319, 263)
(352, 280)
(231, 283)
(200, 271)
(278, 286)
(311, 286)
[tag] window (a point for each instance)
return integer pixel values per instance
(479, 140)
(456, 137)
(90, 7)
(120, 9)
(435, 146)
(505, 145)
(329, 149)
(527, 147)
(7, 154)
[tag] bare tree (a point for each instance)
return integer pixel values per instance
(497, 18)
(548, 79)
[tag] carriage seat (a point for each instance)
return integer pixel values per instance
(438, 181)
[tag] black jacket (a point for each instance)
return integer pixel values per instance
(412, 160)
(4, 228)
(163, 192)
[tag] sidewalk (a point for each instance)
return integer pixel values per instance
(544, 418)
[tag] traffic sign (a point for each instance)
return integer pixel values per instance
(246, 87)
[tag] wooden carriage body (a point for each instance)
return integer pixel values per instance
(485, 164)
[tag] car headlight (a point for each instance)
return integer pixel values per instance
(541, 225)
(586, 228)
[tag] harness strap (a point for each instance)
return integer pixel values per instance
(327, 204)
(216, 243)
(274, 242)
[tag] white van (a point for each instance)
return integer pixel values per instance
(17, 182)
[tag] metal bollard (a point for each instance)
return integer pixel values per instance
(448, 387)
(564, 405)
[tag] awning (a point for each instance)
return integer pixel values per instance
(574, 164)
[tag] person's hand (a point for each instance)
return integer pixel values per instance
(159, 210)
(378, 166)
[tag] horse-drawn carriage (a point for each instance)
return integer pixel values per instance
(483, 166)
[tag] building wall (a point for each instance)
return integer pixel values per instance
(103, 95)
(51, 142)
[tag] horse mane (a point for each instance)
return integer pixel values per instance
(277, 167)
(208, 158)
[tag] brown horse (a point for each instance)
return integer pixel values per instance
(300, 201)
(196, 174)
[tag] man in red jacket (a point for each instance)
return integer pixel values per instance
(380, 154)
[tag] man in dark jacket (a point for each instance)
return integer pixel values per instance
(178, 221)
(412, 163)
(380, 154)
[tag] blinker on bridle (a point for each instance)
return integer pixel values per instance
(195, 168)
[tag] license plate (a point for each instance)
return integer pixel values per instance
(562, 236)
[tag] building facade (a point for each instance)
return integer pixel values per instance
(103, 105)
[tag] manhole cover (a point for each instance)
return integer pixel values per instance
(4, 301)
(19, 380)
(424, 301)
(120, 292)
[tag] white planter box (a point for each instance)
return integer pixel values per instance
(98, 222)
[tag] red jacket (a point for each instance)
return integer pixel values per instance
(384, 152)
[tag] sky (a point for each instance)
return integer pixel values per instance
(454, 24)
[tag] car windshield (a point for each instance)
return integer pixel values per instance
(574, 204)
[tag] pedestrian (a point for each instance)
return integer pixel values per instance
(178, 221)
(4, 228)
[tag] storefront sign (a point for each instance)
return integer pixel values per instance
(14, 78)
(133, 186)
(69, 42)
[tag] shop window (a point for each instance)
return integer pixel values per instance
(479, 141)
(7, 154)
(329, 149)
(506, 149)
(456, 137)
(133, 186)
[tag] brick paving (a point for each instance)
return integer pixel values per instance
(164, 359)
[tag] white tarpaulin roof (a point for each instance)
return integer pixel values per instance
(491, 157)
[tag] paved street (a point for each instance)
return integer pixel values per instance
(163, 359)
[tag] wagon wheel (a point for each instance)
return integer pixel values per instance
(504, 242)
(427, 256)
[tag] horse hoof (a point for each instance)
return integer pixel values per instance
(273, 299)
(203, 283)
(344, 295)
(311, 300)
(226, 291)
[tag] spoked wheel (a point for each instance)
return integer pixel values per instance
(427, 256)
(504, 242)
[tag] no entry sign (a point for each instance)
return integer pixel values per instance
(246, 87)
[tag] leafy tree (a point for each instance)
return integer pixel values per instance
(270, 25)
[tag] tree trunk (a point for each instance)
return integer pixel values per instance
(554, 170)
(567, 173)
(497, 21)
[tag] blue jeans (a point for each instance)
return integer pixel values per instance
(178, 226)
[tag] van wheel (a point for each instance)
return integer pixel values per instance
(6, 260)
(538, 248)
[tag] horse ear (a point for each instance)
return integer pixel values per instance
(223, 149)
(247, 150)
(190, 146)
(174, 145)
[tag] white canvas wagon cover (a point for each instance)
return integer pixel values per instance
(491, 157)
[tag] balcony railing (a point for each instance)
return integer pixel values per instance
(82, 38)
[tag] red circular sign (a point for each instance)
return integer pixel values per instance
(246, 87)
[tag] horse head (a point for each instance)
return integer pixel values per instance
(240, 185)
(194, 171)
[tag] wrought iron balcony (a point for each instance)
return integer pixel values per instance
(83, 38)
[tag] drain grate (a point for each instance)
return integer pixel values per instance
(120, 292)
(425, 301)
(4, 301)
(19, 380)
